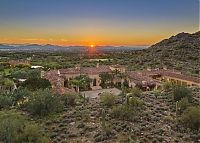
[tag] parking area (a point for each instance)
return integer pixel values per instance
(96, 93)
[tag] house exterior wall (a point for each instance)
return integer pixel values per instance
(180, 81)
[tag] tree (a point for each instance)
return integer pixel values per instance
(6, 85)
(34, 73)
(106, 80)
(84, 82)
(76, 83)
(20, 96)
(36, 83)
(81, 82)
(43, 103)
(20, 74)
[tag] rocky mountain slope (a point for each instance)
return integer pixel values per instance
(181, 52)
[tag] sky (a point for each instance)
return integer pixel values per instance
(96, 22)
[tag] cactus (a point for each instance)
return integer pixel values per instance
(176, 108)
(127, 100)
(84, 99)
(103, 120)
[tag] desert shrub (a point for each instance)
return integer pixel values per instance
(183, 104)
(123, 112)
(15, 129)
(135, 102)
(5, 101)
(191, 118)
(135, 92)
(156, 93)
(168, 86)
(180, 92)
(33, 134)
(43, 103)
(108, 99)
(70, 99)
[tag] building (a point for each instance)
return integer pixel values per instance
(60, 78)
(175, 77)
(145, 80)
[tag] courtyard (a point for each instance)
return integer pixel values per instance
(96, 93)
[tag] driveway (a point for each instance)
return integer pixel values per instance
(96, 93)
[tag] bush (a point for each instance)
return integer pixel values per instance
(183, 104)
(33, 134)
(191, 118)
(108, 99)
(15, 129)
(5, 101)
(123, 112)
(168, 86)
(135, 92)
(135, 102)
(43, 103)
(70, 99)
(180, 92)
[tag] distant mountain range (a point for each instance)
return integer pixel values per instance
(69, 49)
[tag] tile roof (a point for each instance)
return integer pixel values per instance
(140, 79)
(70, 71)
(171, 73)
(95, 70)
(85, 70)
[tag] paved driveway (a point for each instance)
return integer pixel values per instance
(96, 93)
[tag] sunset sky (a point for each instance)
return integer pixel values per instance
(97, 22)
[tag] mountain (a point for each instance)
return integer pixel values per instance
(181, 52)
(68, 49)
(180, 40)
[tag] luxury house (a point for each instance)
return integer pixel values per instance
(145, 80)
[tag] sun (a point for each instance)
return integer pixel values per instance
(91, 46)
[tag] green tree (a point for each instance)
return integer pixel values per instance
(84, 82)
(44, 102)
(20, 96)
(34, 73)
(106, 79)
(36, 83)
